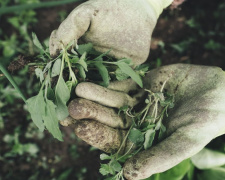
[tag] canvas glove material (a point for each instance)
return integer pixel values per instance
(123, 26)
(197, 118)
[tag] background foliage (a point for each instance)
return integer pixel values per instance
(193, 33)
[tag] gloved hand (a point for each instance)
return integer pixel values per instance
(124, 26)
(197, 118)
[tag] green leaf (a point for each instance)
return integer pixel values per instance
(142, 69)
(39, 74)
(149, 137)
(123, 109)
(136, 136)
(62, 95)
(115, 165)
(36, 107)
(120, 75)
(104, 156)
(127, 61)
(14, 21)
(103, 72)
(84, 48)
(175, 173)
(82, 61)
(168, 101)
(217, 173)
(56, 68)
(51, 120)
(106, 169)
(73, 52)
(146, 126)
(207, 158)
(123, 158)
(69, 84)
(125, 68)
(37, 43)
(147, 101)
(74, 60)
(47, 67)
(82, 72)
(100, 57)
(50, 94)
(162, 132)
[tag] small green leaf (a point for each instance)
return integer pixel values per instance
(82, 72)
(106, 169)
(120, 76)
(104, 156)
(62, 95)
(147, 101)
(73, 51)
(103, 72)
(56, 68)
(100, 57)
(47, 67)
(82, 61)
(115, 165)
(39, 74)
(51, 120)
(149, 137)
(136, 136)
(176, 173)
(160, 96)
(84, 48)
(74, 60)
(36, 107)
(130, 72)
(146, 126)
(162, 132)
(50, 94)
(69, 85)
(37, 43)
(123, 109)
(142, 69)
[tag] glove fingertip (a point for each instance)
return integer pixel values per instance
(54, 44)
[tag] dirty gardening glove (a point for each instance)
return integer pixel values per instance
(197, 117)
(124, 26)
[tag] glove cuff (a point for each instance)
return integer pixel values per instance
(159, 5)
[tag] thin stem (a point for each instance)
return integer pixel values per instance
(72, 75)
(126, 152)
(163, 85)
(11, 80)
(124, 140)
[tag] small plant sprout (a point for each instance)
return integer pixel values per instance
(142, 133)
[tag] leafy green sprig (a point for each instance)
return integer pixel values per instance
(143, 132)
(73, 65)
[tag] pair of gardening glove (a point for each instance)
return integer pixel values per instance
(125, 27)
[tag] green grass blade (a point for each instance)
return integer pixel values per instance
(11, 80)
(16, 8)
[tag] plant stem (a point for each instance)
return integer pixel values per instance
(11, 80)
(125, 139)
